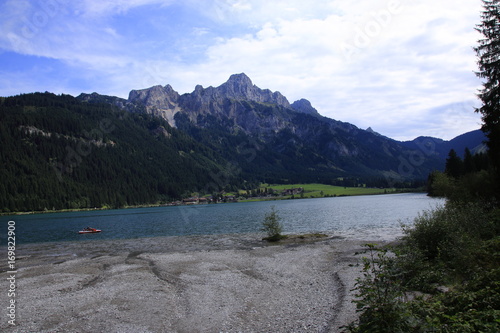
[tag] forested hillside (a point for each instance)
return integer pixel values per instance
(60, 153)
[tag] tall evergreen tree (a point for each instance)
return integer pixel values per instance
(488, 52)
(469, 165)
(454, 165)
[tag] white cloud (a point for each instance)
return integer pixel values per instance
(385, 64)
(406, 58)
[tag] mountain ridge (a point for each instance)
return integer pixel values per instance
(239, 109)
(103, 151)
(165, 102)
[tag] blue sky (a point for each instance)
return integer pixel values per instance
(403, 67)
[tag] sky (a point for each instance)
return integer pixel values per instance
(405, 68)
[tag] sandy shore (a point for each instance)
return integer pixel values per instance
(229, 283)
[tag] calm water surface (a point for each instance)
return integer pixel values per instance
(362, 217)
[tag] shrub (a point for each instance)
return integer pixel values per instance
(380, 296)
(457, 246)
(272, 226)
(449, 236)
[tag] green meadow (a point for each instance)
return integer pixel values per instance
(322, 190)
(317, 191)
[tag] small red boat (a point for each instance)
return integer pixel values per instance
(89, 231)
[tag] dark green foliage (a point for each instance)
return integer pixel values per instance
(489, 69)
(454, 166)
(379, 296)
(469, 163)
(470, 179)
(60, 153)
(390, 296)
(457, 246)
(450, 235)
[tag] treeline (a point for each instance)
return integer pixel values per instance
(59, 153)
(469, 178)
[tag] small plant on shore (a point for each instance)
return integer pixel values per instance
(272, 226)
(379, 296)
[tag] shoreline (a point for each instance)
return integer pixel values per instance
(167, 205)
(209, 283)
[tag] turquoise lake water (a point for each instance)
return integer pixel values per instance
(376, 217)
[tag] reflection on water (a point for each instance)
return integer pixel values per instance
(361, 217)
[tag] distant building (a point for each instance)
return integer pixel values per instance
(191, 201)
(292, 191)
(230, 198)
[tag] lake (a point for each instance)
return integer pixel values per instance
(376, 217)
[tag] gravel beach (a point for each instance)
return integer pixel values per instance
(219, 283)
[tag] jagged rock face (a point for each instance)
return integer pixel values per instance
(162, 97)
(160, 101)
(238, 104)
(221, 101)
(240, 87)
(232, 100)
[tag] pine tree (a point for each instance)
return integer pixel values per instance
(469, 166)
(454, 165)
(488, 53)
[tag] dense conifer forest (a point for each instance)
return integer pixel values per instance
(59, 153)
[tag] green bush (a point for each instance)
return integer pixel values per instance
(457, 246)
(379, 296)
(448, 237)
(441, 185)
(472, 307)
(387, 305)
(272, 226)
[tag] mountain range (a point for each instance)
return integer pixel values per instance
(96, 150)
(295, 135)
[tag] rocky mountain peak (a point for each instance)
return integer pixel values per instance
(158, 96)
(240, 87)
(240, 79)
(304, 106)
(160, 101)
